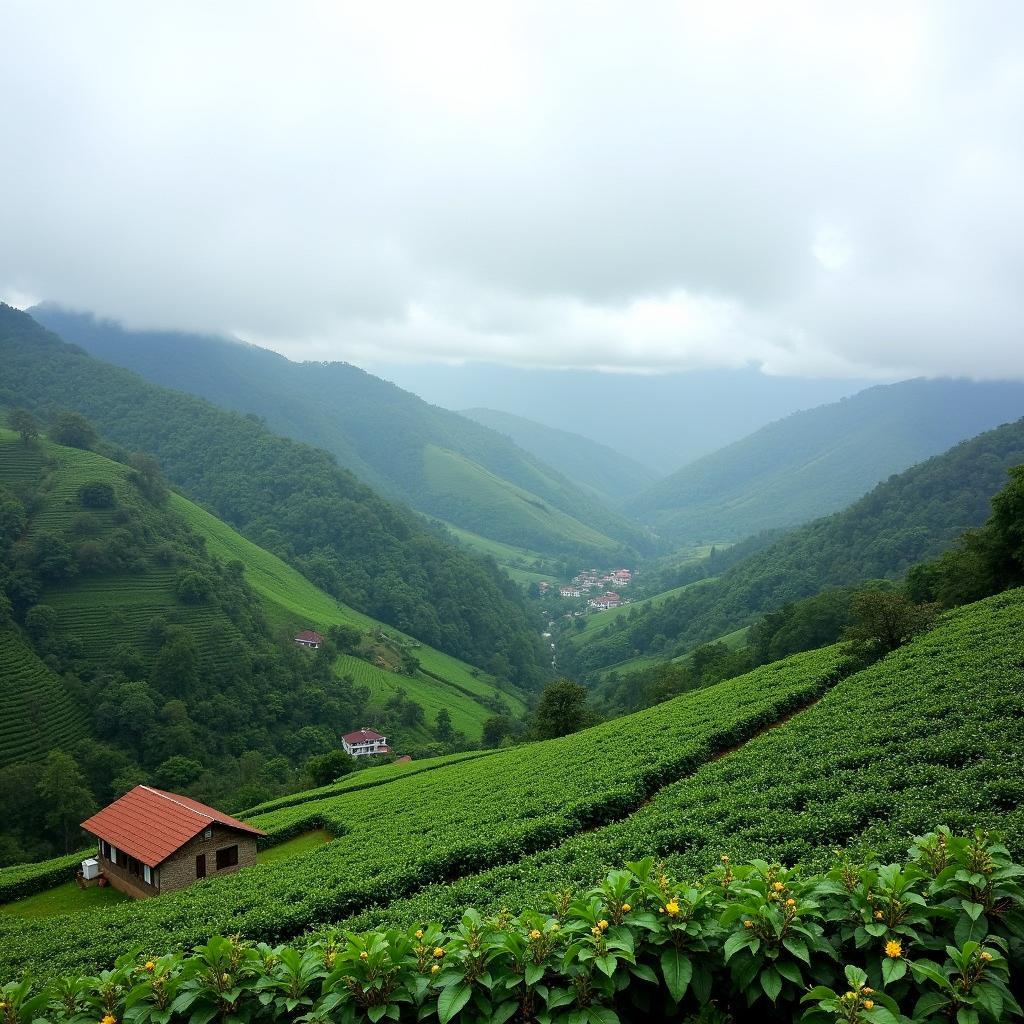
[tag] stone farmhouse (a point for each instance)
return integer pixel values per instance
(151, 842)
(309, 638)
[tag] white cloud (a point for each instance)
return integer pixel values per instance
(813, 188)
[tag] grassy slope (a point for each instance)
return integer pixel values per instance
(443, 823)
(588, 462)
(519, 563)
(292, 602)
(478, 499)
(931, 735)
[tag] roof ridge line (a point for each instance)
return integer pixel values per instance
(166, 796)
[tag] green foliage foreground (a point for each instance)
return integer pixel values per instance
(937, 937)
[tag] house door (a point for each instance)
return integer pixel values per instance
(201, 866)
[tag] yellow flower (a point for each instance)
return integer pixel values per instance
(438, 952)
(725, 858)
(602, 924)
(661, 910)
(778, 887)
(595, 930)
(893, 949)
(555, 926)
(535, 934)
(878, 915)
(748, 924)
(867, 990)
(626, 908)
(109, 1019)
(869, 1004)
(985, 955)
(419, 933)
(791, 902)
(364, 955)
(672, 908)
(434, 969)
(150, 966)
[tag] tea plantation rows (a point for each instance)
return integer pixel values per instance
(437, 825)
(934, 733)
(35, 710)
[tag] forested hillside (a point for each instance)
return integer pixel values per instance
(913, 516)
(432, 459)
(610, 473)
(818, 461)
(288, 497)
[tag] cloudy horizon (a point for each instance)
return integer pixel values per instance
(814, 190)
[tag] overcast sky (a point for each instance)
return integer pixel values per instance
(819, 189)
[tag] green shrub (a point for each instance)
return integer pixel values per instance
(939, 937)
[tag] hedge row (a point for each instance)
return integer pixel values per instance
(437, 825)
(933, 732)
(938, 937)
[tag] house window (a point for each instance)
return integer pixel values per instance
(227, 857)
(208, 834)
(105, 849)
(147, 874)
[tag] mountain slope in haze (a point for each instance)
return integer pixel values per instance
(375, 429)
(291, 499)
(661, 420)
(911, 517)
(610, 473)
(818, 461)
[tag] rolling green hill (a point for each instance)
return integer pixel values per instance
(911, 517)
(790, 761)
(610, 473)
(289, 498)
(388, 437)
(820, 460)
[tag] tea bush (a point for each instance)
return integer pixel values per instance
(939, 937)
(435, 825)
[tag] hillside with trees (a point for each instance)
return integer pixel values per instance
(434, 460)
(819, 461)
(912, 517)
(288, 497)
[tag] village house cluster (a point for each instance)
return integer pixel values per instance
(590, 580)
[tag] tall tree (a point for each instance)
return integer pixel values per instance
(25, 424)
(562, 709)
(65, 792)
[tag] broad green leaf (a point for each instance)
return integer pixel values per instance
(678, 970)
(771, 982)
(453, 999)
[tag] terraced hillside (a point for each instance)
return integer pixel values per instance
(931, 734)
(97, 613)
(445, 823)
(36, 711)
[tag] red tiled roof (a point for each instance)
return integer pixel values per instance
(150, 825)
(362, 736)
(310, 636)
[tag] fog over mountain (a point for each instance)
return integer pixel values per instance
(806, 189)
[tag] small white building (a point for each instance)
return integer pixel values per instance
(309, 638)
(365, 742)
(569, 591)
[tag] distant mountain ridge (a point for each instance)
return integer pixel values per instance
(818, 461)
(587, 462)
(430, 458)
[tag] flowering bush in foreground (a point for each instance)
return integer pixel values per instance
(934, 939)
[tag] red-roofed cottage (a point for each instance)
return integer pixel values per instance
(309, 638)
(364, 742)
(152, 842)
